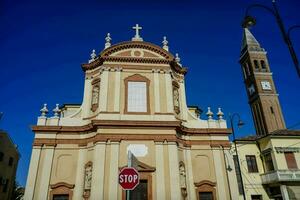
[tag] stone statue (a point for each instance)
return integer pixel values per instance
(95, 95)
(176, 98)
(88, 177)
(182, 175)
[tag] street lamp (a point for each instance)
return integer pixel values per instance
(239, 124)
(250, 21)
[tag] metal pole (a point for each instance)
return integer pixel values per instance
(237, 155)
(286, 38)
(129, 165)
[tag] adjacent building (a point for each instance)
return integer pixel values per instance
(9, 157)
(270, 160)
(134, 100)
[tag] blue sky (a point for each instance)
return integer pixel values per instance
(43, 43)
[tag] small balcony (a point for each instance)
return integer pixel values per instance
(280, 175)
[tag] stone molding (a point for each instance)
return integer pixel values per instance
(61, 188)
(133, 137)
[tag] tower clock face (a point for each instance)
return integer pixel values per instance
(266, 85)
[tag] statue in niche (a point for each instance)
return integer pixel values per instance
(95, 97)
(176, 100)
(87, 179)
(182, 174)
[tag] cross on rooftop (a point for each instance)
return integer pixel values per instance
(137, 37)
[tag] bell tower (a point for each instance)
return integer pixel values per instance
(262, 95)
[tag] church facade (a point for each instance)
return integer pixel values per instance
(134, 100)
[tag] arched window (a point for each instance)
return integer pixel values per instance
(263, 65)
(256, 65)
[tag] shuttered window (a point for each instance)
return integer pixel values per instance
(290, 160)
(251, 163)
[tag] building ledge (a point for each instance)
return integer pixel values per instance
(280, 176)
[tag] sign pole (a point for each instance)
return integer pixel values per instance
(129, 164)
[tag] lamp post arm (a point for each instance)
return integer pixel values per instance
(231, 117)
(292, 28)
(259, 6)
(286, 38)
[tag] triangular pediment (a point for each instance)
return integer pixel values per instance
(142, 167)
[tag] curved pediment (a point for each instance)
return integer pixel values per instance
(135, 52)
(133, 49)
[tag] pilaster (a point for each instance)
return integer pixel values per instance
(169, 93)
(189, 174)
(114, 170)
(174, 171)
(117, 90)
(98, 171)
(78, 190)
(219, 170)
(86, 104)
(32, 173)
(156, 91)
(46, 170)
(160, 173)
(104, 90)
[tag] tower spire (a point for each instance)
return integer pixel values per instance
(249, 42)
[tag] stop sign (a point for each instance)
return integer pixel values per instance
(129, 178)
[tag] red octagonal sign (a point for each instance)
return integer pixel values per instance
(129, 178)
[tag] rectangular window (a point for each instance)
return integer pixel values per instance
(268, 162)
(205, 195)
(251, 163)
(238, 174)
(61, 197)
(290, 160)
(256, 197)
(11, 161)
(137, 97)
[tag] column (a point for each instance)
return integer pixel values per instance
(86, 103)
(114, 171)
(284, 192)
(160, 173)
(174, 171)
(117, 90)
(32, 173)
(46, 173)
(189, 175)
(219, 169)
(79, 182)
(183, 106)
(169, 91)
(104, 90)
(98, 171)
(156, 91)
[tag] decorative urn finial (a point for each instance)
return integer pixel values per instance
(56, 110)
(177, 58)
(44, 110)
(220, 114)
(107, 41)
(209, 113)
(93, 56)
(165, 44)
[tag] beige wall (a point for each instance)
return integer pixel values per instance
(7, 172)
